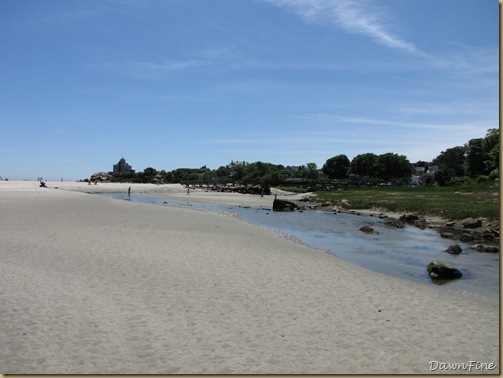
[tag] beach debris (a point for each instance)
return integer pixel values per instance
(438, 270)
(454, 249)
(368, 230)
(485, 248)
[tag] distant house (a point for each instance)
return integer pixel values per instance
(416, 180)
(122, 167)
(418, 177)
(234, 164)
(420, 170)
(293, 168)
(432, 169)
(421, 173)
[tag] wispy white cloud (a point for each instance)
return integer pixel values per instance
(360, 17)
(209, 58)
(320, 144)
(15, 151)
(458, 127)
(468, 60)
(166, 66)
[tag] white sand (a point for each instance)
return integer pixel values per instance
(95, 285)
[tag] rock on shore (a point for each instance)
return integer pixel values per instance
(439, 270)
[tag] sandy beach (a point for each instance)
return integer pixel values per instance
(92, 285)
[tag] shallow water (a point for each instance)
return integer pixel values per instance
(402, 253)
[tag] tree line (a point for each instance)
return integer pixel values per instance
(477, 159)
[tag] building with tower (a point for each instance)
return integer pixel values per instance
(122, 167)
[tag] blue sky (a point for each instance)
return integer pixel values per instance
(187, 83)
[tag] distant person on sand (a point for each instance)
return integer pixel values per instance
(188, 189)
(129, 191)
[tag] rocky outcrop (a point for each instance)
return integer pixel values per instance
(409, 218)
(471, 230)
(243, 189)
(472, 223)
(485, 248)
(454, 249)
(465, 238)
(283, 205)
(415, 220)
(100, 177)
(438, 270)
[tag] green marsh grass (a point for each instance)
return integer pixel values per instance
(446, 202)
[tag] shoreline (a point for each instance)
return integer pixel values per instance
(92, 285)
(487, 234)
(471, 267)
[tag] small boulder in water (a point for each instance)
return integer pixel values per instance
(283, 205)
(454, 249)
(439, 270)
(368, 230)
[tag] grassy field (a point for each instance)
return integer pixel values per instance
(446, 202)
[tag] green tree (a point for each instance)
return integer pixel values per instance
(393, 166)
(493, 159)
(337, 167)
(223, 172)
(491, 139)
(238, 173)
(443, 176)
(147, 175)
(312, 171)
(492, 150)
(475, 158)
(452, 159)
(364, 165)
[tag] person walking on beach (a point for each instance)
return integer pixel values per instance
(129, 191)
